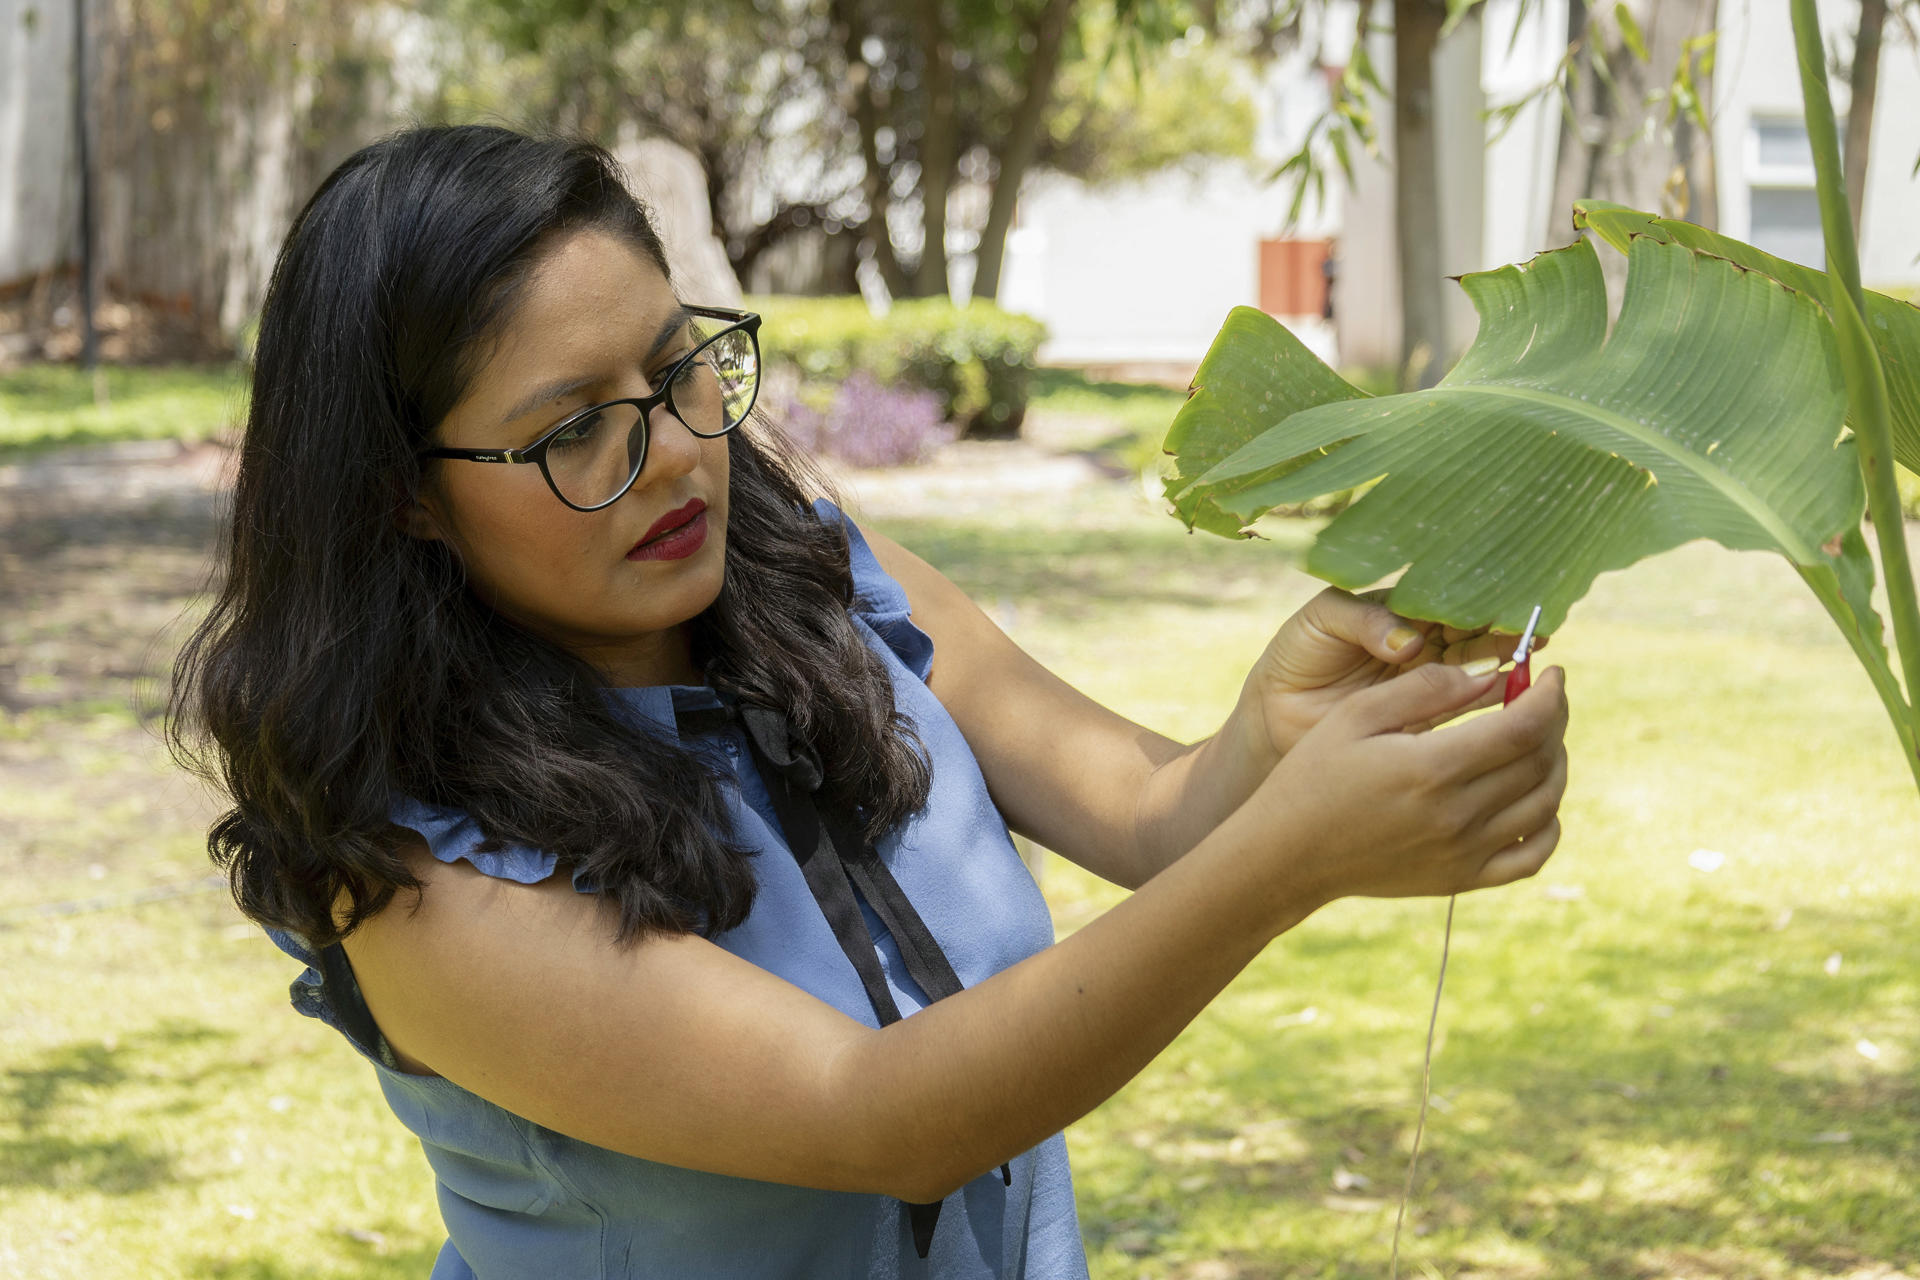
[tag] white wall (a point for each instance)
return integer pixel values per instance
(1147, 270)
(1139, 271)
(1519, 166)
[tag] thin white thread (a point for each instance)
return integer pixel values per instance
(1426, 1089)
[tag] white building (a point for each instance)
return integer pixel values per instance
(1143, 273)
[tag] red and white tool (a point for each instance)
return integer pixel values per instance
(1522, 674)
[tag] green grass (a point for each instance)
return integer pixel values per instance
(46, 406)
(1644, 1070)
(1128, 419)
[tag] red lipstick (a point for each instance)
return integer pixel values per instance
(675, 535)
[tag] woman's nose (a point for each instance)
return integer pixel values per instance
(672, 449)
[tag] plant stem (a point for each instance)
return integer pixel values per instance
(1866, 380)
(1878, 671)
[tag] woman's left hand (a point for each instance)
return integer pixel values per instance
(1338, 644)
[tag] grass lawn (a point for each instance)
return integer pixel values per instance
(50, 405)
(1129, 420)
(1645, 1069)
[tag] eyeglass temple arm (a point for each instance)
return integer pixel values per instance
(479, 455)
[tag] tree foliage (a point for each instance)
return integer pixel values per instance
(862, 116)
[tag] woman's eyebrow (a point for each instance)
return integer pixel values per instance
(676, 321)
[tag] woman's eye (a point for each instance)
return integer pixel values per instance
(671, 369)
(580, 431)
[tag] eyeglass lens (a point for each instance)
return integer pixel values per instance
(600, 452)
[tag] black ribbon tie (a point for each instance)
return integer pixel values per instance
(840, 869)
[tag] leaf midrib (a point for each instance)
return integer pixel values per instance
(1736, 492)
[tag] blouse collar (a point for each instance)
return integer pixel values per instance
(661, 706)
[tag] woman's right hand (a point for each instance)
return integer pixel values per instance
(1373, 810)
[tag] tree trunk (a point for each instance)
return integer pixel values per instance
(82, 123)
(1613, 150)
(1416, 191)
(1693, 149)
(713, 170)
(938, 147)
(1864, 80)
(1573, 171)
(1020, 145)
(866, 116)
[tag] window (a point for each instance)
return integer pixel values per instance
(1782, 204)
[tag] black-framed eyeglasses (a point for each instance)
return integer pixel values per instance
(592, 457)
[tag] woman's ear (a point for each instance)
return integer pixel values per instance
(416, 517)
(417, 521)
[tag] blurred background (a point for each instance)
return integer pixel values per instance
(992, 240)
(1122, 171)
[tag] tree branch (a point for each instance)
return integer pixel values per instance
(1864, 81)
(1022, 141)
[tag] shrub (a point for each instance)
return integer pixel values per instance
(864, 423)
(978, 358)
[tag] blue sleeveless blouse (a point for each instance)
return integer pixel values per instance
(520, 1200)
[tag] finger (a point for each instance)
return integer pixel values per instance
(1515, 798)
(1486, 645)
(1521, 859)
(1484, 743)
(1416, 697)
(1504, 640)
(1364, 623)
(1491, 698)
(1399, 640)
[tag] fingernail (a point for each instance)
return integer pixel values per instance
(1480, 666)
(1401, 637)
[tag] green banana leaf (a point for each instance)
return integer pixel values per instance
(1553, 452)
(1894, 325)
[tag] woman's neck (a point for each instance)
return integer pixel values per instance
(665, 657)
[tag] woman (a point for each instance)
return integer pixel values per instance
(508, 595)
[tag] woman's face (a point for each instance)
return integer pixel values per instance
(595, 322)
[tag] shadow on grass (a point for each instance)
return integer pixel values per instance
(1054, 382)
(1608, 1136)
(363, 1261)
(53, 524)
(104, 562)
(1084, 570)
(39, 1101)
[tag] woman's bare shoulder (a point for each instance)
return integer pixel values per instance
(666, 1047)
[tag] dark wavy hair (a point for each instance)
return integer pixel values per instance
(345, 661)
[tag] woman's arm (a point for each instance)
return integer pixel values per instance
(1070, 774)
(1066, 772)
(1116, 797)
(677, 1051)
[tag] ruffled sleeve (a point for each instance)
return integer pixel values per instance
(452, 836)
(327, 989)
(880, 601)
